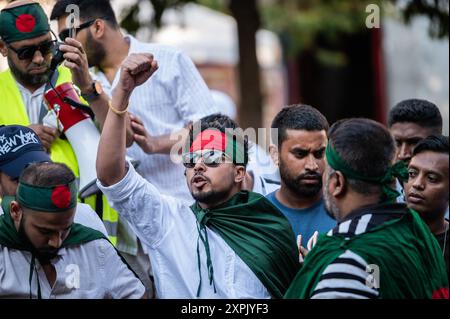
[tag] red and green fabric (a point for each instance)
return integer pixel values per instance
(407, 254)
(214, 139)
(23, 22)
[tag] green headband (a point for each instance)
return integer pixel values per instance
(398, 170)
(50, 199)
(24, 22)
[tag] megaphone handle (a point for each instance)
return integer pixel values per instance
(80, 106)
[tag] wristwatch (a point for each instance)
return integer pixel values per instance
(94, 92)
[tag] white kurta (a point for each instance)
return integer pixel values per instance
(174, 96)
(168, 228)
(89, 271)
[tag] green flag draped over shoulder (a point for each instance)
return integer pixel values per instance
(259, 234)
(408, 256)
(10, 238)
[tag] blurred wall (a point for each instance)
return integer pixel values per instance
(417, 66)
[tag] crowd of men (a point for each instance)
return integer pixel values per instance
(357, 209)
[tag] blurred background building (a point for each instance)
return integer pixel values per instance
(334, 62)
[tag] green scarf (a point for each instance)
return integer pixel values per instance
(398, 170)
(407, 254)
(258, 232)
(9, 237)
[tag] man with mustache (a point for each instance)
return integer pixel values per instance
(229, 243)
(410, 121)
(300, 154)
(45, 255)
(19, 147)
(379, 249)
(28, 44)
(427, 187)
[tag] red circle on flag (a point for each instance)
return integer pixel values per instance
(61, 196)
(25, 23)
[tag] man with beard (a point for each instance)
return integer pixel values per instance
(301, 141)
(162, 107)
(44, 254)
(229, 243)
(19, 147)
(427, 187)
(27, 42)
(379, 249)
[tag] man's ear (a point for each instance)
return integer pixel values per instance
(16, 212)
(3, 48)
(239, 176)
(338, 184)
(98, 29)
(274, 154)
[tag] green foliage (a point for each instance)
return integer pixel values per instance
(300, 22)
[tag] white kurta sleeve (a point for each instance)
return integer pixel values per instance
(143, 206)
(119, 282)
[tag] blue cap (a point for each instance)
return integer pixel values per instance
(19, 147)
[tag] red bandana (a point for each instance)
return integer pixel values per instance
(210, 140)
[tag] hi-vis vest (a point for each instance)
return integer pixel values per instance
(13, 112)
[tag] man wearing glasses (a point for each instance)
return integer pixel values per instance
(229, 243)
(28, 44)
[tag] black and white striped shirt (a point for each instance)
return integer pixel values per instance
(349, 275)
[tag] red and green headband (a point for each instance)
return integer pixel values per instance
(51, 199)
(213, 139)
(23, 22)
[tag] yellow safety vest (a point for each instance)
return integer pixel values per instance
(13, 112)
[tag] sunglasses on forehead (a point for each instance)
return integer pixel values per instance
(211, 158)
(66, 32)
(27, 52)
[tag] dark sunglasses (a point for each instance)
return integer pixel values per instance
(66, 32)
(211, 158)
(27, 53)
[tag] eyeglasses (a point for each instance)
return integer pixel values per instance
(211, 158)
(66, 32)
(27, 53)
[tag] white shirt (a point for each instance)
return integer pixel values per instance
(168, 228)
(174, 96)
(32, 102)
(89, 271)
(85, 216)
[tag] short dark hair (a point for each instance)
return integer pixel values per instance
(366, 146)
(297, 117)
(434, 143)
(47, 174)
(89, 10)
(221, 122)
(420, 112)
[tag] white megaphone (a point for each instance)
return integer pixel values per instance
(80, 131)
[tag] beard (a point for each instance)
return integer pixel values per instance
(43, 255)
(95, 52)
(27, 79)
(212, 197)
(295, 183)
